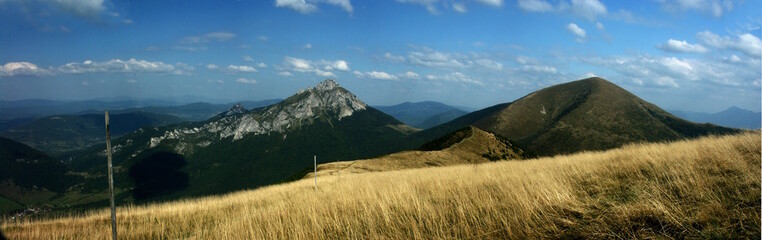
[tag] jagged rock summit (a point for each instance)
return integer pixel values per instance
(327, 100)
(235, 109)
(327, 96)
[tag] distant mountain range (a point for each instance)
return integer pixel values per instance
(245, 148)
(732, 117)
(35, 108)
(423, 114)
(62, 133)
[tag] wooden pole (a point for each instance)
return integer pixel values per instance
(315, 161)
(110, 179)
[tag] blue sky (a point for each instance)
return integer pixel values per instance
(697, 55)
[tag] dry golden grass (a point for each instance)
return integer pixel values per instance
(707, 188)
(470, 150)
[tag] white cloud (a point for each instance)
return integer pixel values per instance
(321, 68)
(247, 59)
(131, 81)
(386, 76)
(211, 66)
(459, 7)
(117, 65)
(301, 6)
(674, 72)
(21, 69)
(524, 59)
(380, 75)
(209, 37)
(734, 59)
(246, 81)
(431, 5)
(411, 75)
(539, 68)
(183, 69)
(189, 48)
(487, 63)
(309, 6)
(677, 67)
(88, 9)
(434, 59)
(577, 31)
(344, 4)
(324, 73)
(454, 77)
(298, 64)
(532, 66)
(241, 69)
(599, 26)
(588, 9)
(714, 7)
(285, 73)
(746, 43)
(85, 83)
(535, 5)
(494, 3)
(341, 65)
(673, 45)
(88, 66)
(261, 65)
(394, 58)
(307, 46)
(262, 38)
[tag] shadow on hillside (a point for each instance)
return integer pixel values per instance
(158, 174)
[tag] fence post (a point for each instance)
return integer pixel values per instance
(315, 161)
(110, 179)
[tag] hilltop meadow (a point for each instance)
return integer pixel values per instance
(705, 188)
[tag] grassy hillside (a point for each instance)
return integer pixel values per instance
(587, 115)
(704, 188)
(469, 145)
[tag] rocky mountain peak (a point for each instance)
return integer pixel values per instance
(326, 85)
(327, 96)
(327, 99)
(235, 109)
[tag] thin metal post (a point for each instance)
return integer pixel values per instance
(315, 161)
(110, 179)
